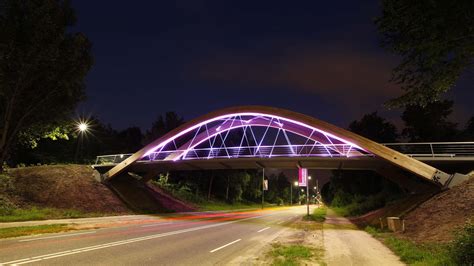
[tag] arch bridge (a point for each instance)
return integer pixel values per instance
(259, 137)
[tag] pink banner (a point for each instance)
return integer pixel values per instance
(302, 177)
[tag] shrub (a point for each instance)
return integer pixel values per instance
(279, 201)
(6, 183)
(341, 198)
(462, 248)
(6, 206)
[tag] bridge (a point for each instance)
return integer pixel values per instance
(265, 137)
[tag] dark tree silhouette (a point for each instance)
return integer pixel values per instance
(131, 139)
(429, 123)
(436, 41)
(468, 133)
(42, 68)
(163, 125)
(375, 127)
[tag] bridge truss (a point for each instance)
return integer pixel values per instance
(248, 136)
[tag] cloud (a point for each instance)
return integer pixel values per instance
(334, 72)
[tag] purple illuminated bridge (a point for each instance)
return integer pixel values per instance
(258, 136)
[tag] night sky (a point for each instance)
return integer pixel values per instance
(192, 57)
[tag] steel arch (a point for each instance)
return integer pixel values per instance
(195, 132)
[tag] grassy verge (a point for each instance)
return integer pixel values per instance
(341, 211)
(309, 250)
(319, 215)
(33, 230)
(294, 254)
(414, 253)
(34, 213)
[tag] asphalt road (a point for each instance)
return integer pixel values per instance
(198, 239)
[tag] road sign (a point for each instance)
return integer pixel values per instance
(302, 177)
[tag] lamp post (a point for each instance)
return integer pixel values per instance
(307, 195)
(263, 186)
(291, 192)
(82, 128)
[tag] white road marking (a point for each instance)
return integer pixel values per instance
(49, 237)
(150, 225)
(261, 230)
(122, 242)
(226, 245)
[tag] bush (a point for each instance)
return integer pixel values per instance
(6, 206)
(462, 248)
(341, 198)
(6, 183)
(279, 201)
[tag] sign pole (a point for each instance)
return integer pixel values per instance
(263, 185)
(307, 195)
(291, 194)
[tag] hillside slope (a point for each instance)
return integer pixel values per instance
(63, 187)
(435, 219)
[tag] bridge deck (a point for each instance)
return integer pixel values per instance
(327, 163)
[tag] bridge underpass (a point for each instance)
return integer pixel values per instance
(252, 137)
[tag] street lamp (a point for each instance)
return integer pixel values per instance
(307, 195)
(82, 127)
(291, 192)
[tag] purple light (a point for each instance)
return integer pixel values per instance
(228, 116)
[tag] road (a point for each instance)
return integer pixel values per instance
(193, 239)
(199, 239)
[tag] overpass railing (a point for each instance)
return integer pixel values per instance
(421, 150)
(434, 149)
(262, 151)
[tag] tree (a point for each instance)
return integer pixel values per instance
(429, 123)
(42, 68)
(130, 139)
(468, 133)
(163, 125)
(375, 127)
(436, 41)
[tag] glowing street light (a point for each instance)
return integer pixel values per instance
(295, 183)
(82, 127)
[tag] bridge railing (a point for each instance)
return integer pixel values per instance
(262, 151)
(425, 149)
(434, 149)
(111, 158)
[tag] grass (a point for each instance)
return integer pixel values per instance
(341, 211)
(289, 255)
(413, 253)
(319, 215)
(33, 230)
(35, 213)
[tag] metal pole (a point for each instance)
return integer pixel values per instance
(79, 143)
(291, 193)
(307, 195)
(317, 193)
(263, 185)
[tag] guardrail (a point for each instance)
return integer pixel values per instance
(424, 149)
(434, 149)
